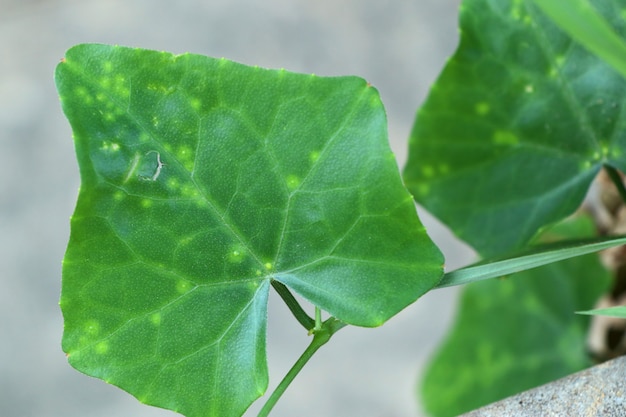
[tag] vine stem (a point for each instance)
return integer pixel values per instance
(303, 318)
(320, 338)
(617, 180)
(318, 319)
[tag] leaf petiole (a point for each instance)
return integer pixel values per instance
(318, 319)
(296, 309)
(320, 338)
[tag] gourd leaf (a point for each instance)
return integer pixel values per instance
(518, 124)
(516, 333)
(202, 181)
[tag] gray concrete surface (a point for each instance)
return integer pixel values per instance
(398, 46)
(598, 391)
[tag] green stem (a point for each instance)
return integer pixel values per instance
(296, 309)
(318, 319)
(320, 338)
(617, 180)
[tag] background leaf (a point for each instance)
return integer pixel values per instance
(583, 23)
(202, 181)
(519, 123)
(515, 333)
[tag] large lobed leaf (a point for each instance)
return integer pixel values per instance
(202, 181)
(516, 127)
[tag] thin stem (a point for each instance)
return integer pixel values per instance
(617, 180)
(296, 309)
(318, 319)
(320, 338)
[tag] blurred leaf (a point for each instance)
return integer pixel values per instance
(619, 312)
(202, 181)
(582, 22)
(516, 127)
(515, 333)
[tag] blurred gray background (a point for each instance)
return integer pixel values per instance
(398, 46)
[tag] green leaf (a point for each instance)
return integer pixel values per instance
(619, 312)
(530, 258)
(582, 22)
(202, 181)
(515, 333)
(518, 124)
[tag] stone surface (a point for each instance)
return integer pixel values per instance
(597, 391)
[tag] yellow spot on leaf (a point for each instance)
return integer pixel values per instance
(559, 60)
(156, 319)
(314, 156)
(84, 95)
(293, 182)
(482, 108)
(502, 137)
(102, 348)
(92, 328)
(106, 82)
(515, 13)
(189, 191)
(423, 189)
(108, 146)
(428, 171)
(552, 72)
(237, 255)
(120, 80)
(196, 104)
(183, 286)
(184, 152)
(173, 184)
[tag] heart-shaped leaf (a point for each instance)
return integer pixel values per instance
(202, 181)
(516, 127)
